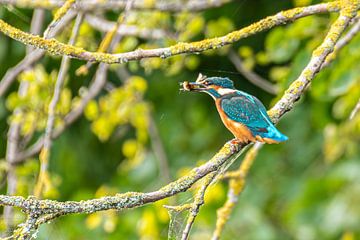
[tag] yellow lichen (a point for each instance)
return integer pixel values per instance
(61, 12)
(292, 13)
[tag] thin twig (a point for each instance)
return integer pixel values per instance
(159, 151)
(60, 13)
(97, 85)
(355, 110)
(24, 231)
(55, 47)
(252, 76)
(354, 30)
(198, 202)
(89, 5)
(45, 152)
(229, 151)
(124, 200)
(104, 25)
(111, 38)
(31, 58)
(14, 130)
(319, 56)
(12, 150)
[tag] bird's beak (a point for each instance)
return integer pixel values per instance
(192, 86)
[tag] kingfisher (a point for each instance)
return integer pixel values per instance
(243, 114)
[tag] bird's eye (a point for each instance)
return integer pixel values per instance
(206, 82)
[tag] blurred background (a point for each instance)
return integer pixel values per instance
(141, 132)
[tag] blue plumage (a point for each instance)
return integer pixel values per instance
(248, 110)
(243, 114)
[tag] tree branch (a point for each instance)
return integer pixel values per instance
(89, 5)
(33, 206)
(355, 29)
(125, 30)
(45, 151)
(32, 57)
(97, 84)
(355, 110)
(57, 48)
(124, 200)
(237, 178)
(251, 76)
(198, 202)
(236, 186)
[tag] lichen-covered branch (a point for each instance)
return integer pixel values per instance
(44, 157)
(51, 208)
(111, 37)
(32, 57)
(88, 5)
(236, 186)
(96, 86)
(60, 13)
(280, 18)
(237, 178)
(286, 103)
(123, 200)
(57, 48)
(354, 30)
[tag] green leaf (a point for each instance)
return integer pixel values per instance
(279, 46)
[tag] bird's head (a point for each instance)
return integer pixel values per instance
(214, 86)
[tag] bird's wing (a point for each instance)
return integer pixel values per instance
(246, 109)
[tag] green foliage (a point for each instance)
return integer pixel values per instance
(306, 188)
(123, 106)
(33, 105)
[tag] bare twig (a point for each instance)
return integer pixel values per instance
(104, 25)
(355, 110)
(159, 151)
(251, 76)
(65, 7)
(45, 152)
(89, 5)
(55, 47)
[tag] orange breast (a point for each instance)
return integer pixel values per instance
(240, 131)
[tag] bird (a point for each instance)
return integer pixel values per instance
(242, 114)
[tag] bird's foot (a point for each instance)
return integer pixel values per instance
(235, 141)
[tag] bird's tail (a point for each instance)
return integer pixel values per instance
(274, 135)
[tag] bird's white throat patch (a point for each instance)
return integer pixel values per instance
(224, 91)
